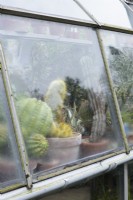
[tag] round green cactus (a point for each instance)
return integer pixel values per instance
(37, 145)
(35, 116)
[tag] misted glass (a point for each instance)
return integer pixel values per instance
(62, 96)
(10, 167)
(119, 49)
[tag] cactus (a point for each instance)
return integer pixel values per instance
(37, 145)
(55, 97)
(35, 116)
(61, 130)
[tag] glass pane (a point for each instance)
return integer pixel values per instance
(62, 96)
(130, 14)
(10, 169)
(64, 8)
(105, 187)
(119, 49)
(108, 12)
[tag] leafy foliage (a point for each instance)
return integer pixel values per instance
(122, 73)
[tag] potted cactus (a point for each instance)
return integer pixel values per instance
(64, 143)
(36, 120)
(46, 133)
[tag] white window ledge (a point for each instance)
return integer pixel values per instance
(64, 180)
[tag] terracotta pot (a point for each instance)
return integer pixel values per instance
(64, 150)
(88, 148)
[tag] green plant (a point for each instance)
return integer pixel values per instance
(122, 73)
(105, 191)
(37, 145)
(35, 116)
(62, 130)
(55, 97)
(127, 116)
(36, 122)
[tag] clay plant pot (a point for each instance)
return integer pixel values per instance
(88, 148)
(64, 150)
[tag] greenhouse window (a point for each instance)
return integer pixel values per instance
(57, 8)
(63, 101)
(11, 172)
(66, 100)
(103, 12)
(119, 48)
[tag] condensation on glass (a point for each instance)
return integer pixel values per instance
(110, 12)
(65, 8)
(62, 97)
(10, 169)
(119, 49)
